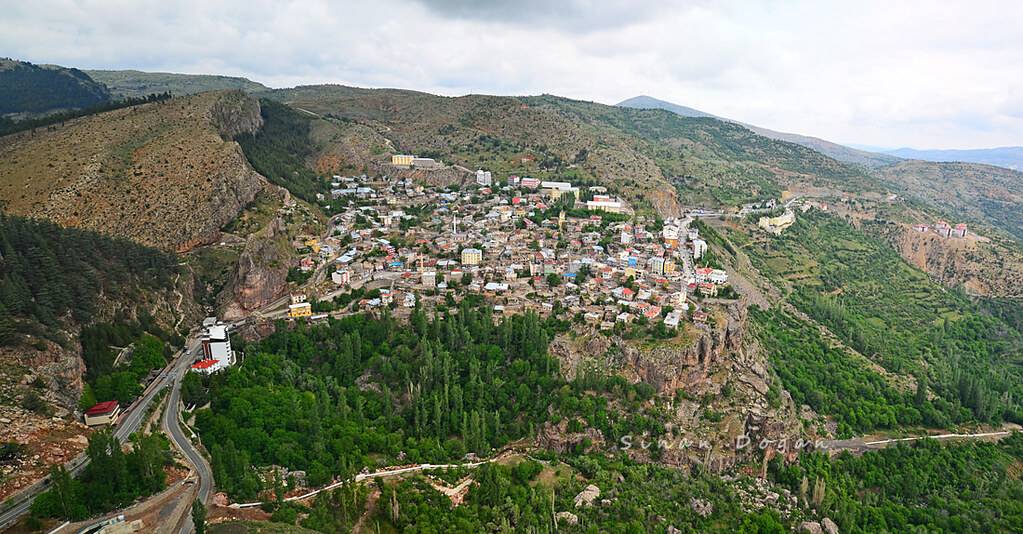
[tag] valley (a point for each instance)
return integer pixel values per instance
(489, 313)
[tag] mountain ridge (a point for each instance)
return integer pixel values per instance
(1010, 157)
(840, 152)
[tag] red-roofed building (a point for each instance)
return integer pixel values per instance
(104, 413)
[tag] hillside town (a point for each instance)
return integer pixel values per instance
(522, 244)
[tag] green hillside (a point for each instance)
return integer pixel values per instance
(134, 83)
(34, 89)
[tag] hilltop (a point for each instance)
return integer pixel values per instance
(29, 89)
(828, 148)
(134, 83)
(649, 156)
(985, 194)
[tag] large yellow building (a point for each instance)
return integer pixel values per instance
(472, 256)
(404, 160)
(301, 309)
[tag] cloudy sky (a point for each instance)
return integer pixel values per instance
(945, 74)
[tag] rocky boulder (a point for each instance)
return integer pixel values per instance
(587, 496)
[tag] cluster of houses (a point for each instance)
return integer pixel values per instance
(414, 245)
(943, 229)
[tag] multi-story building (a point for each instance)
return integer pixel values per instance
(217, 353)
(604, 203)
(342, 277)
(699, 248)
(402, 160)
(472, 256)
(484, 178)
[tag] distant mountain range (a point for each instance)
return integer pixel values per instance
(840, 152)
(1010, 157)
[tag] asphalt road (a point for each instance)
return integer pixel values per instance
(172, 427)
(129, 423)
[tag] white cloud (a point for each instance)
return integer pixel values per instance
(880, 73)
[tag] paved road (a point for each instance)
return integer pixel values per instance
(171, 425)
(129, 422)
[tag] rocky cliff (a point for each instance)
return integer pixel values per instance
(261, 274)
(982, 266)
(714, 382)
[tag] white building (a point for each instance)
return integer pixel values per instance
(341, 278)
(699, 248)
(672, 319)
(484, 178)
(718, 276)
(216, 348)
(604, 203)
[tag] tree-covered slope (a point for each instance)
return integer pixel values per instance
(833, 150)
(867, 295)
(34, 89)
(49, 275)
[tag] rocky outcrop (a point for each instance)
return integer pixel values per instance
(701, 507)
(557, 437)
(980, 265)
(567, 517)
(669, 367)
(810, 527)
(587, 496)
(236, 113)
(48, 368)
(714, 381)
(261, 274)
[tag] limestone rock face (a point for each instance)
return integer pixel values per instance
(58, 370)
(261, 274)
(670, 367)
(235, 114)
(829, 526)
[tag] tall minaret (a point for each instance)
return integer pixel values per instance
(454, 225)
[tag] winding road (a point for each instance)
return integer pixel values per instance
(171, 425)
(132, 419)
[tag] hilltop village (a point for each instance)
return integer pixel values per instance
(577, 252)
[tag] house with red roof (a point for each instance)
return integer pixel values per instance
(104, 413)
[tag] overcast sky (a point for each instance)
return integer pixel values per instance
(883, 73)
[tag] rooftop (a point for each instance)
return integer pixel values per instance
(102, 408)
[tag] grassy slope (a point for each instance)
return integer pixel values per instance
(160, 174)
(133, 83)
(643, 154)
